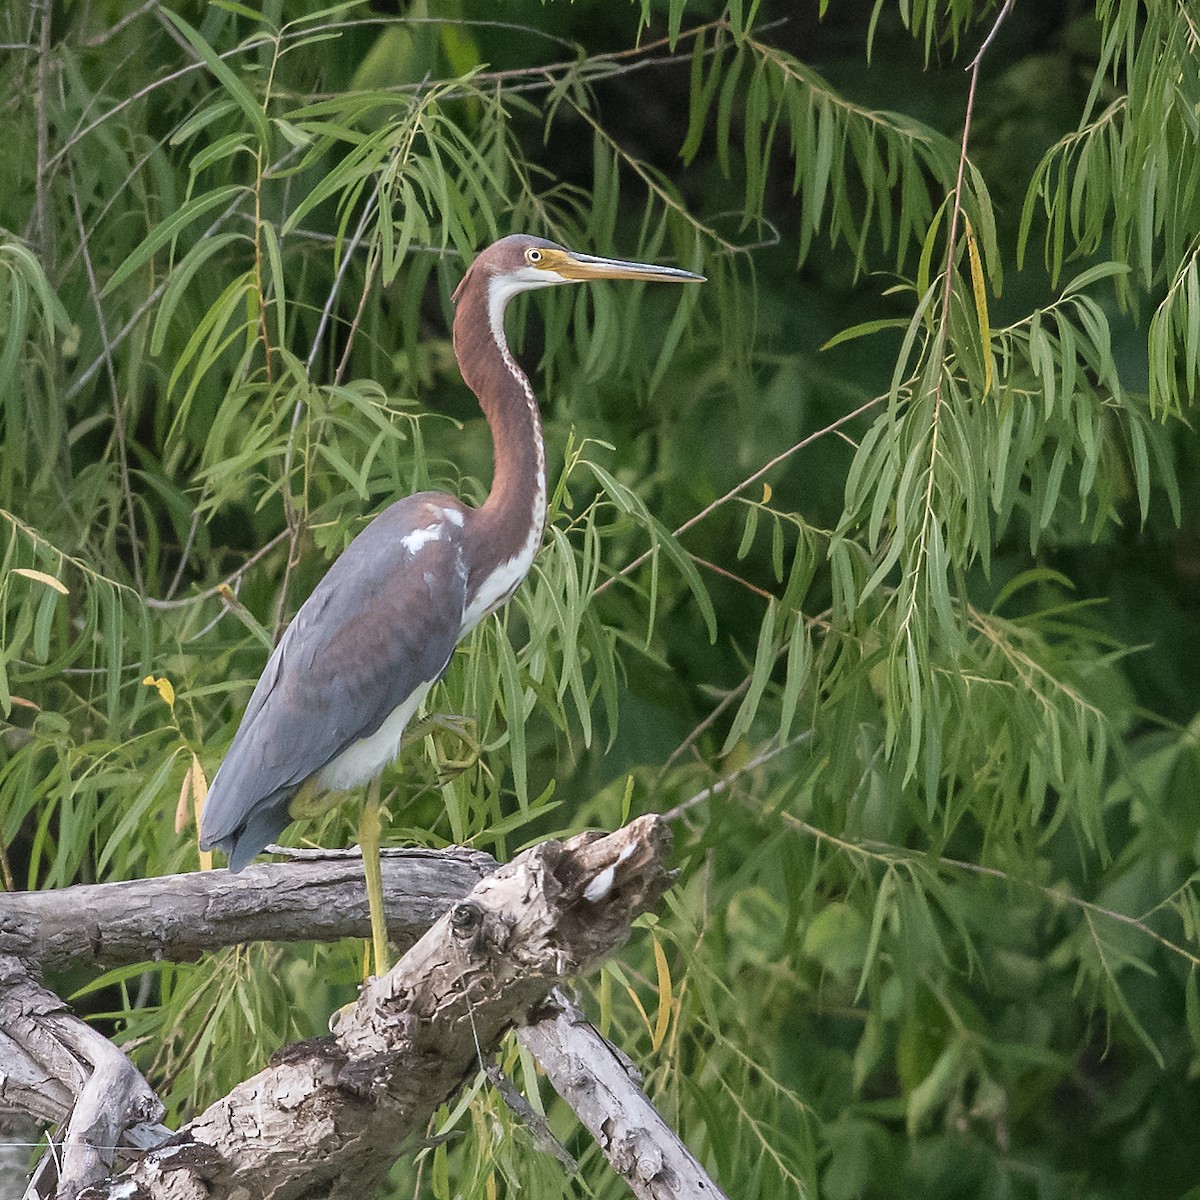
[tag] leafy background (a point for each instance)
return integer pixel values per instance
(920, 695)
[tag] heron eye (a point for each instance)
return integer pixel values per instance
(533, 256)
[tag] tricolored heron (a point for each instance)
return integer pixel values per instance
(331, 707)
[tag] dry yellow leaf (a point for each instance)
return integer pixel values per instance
(638, 1005)
(42, 577)
(183, 807)
(666, 1000)
(979, 289)
(199, 790)
(165, 690)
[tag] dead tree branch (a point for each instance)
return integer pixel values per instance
(60, 1069)
(328, 1117)
(179, 917)
(603, 1087)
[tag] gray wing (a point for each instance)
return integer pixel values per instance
(383, 621)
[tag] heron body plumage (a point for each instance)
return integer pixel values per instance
(363, 651)
(347, 675)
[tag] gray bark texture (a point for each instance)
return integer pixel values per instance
(328, 1117)
(604, 1088)
(60, 1069)
(179, 917)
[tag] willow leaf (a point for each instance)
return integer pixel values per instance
(514, 713)
(233, 86)
(170, 228)
(760, 676)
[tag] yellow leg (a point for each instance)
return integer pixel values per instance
(368, 840)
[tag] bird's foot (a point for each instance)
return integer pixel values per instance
(463, 728)
(311, 800)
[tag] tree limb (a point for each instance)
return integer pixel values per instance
(179, 917)
(329, 1116)
(602, 1086)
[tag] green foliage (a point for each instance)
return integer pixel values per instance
(918, 694)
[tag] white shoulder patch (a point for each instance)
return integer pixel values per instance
(417, 539)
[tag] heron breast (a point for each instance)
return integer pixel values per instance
(364, 759)
(500, 584)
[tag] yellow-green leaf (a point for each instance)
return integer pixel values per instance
(41, 577)
(979, 290)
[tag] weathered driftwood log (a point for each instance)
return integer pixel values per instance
(328, 1117)
(179, 917)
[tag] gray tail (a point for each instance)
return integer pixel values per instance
(266, 821)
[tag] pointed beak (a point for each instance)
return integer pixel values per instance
(579, 267)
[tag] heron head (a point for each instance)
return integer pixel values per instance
(520, 262)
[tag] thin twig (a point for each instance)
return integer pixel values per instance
(41, 210)
(356, 321)
(142, 309)
(83, 379)
(184, 555)
(118, 415)
(741, 487)
(939, 352)
(647, 176)
(116, 194)
(153, 602)
(888, 855)
(260, 152)
(703, 726)
(732, 575)
(154, 296)
(326, 311)
(101, 39)
(1087, 906)
(726, 781)
(537, 77)
(987, 41)
(293, 529)
(141, 94)
(956, 208)
(541, 78)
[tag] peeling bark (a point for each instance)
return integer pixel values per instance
(59, 1068)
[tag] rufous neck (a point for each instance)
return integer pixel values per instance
(515, 508)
